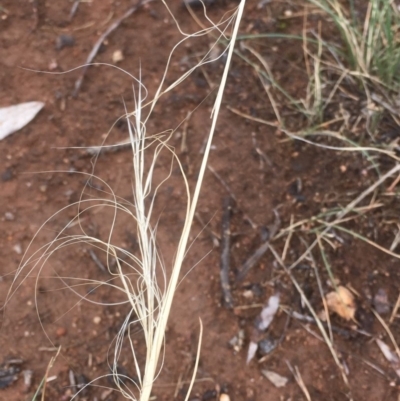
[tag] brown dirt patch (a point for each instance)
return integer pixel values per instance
(38, 178)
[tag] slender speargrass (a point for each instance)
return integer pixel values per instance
(372, 42)
(147, 284)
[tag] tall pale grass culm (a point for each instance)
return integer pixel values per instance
(149, 285)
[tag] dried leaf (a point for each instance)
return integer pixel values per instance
(13, 118)
(262, 322)
(341, 302)
(252, 351)
(387, 352)
(390, 356)
(268, 313)
(276, 379)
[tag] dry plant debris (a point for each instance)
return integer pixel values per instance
(390, 356)
(9, 372)
(117, 56)
(276, 379)
(225, 256)
(13, 118)
(341, 302)
(381, 302)
(262, 322)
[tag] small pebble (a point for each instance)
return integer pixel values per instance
(266, 346)
(209, 395)
(117, 56)
(53, 65)
(17, 248)
(381, 302)
(28, 374)
(9, 216)
(64, 41)
(224, 397)
(264, 233)
(61, 332)
(97, 320)
(237, 341)
(7, 175)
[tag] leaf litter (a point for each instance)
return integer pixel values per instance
(276, 379)
(390, 356)
(262, 322)
(13, 118)
(341, 302)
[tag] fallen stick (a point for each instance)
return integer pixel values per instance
(226, 186)
(258, 254)
(101, 39)
(225, 253)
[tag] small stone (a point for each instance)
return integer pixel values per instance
(9, 216)
(53, 65)
(17, 248)
(237, 341)
(7, 175)
(61, 332)
(28, 375)
(64, 41)
(43, 188)
(266, 346)
(117, 56)
(97, 320)
(209, 395)
(381, 302)
(224, 397)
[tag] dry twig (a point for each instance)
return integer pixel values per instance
(74, 9)
(258, 254)
(225, 253)
(101, 39)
